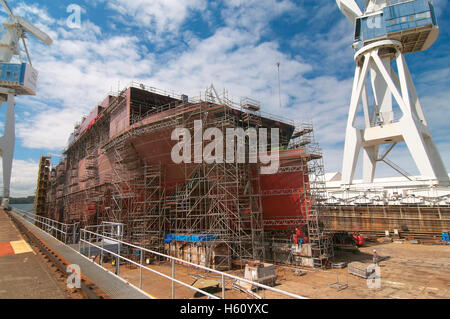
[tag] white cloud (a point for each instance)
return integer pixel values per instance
(255, 15)
(234, 60)
(82, 66)
(24, 178)
(27, 10)
(162, 15)
(76, 72)
(49, 129)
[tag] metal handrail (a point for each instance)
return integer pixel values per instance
(61, 228)
(149, 269)
(90, 234)
(174, 259)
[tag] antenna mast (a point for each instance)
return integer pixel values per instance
(279, 83)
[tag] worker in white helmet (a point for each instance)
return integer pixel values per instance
(375, 257)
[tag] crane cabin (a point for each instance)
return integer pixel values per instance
(411, 22)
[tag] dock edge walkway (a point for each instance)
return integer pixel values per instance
(114, 286)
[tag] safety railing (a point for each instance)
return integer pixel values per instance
(394, 2)
(225, 98)
(95, 243)
(107, 239)
(109, 229)
(66, 233)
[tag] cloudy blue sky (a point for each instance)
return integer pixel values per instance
(185, 45)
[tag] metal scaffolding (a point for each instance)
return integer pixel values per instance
(213, 206)
(40, 208)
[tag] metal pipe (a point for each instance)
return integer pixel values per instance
(118, 260)
(223, 287)
(140, 269)
(173, 277)
(101, 252)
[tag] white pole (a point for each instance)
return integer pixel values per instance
(279, 83)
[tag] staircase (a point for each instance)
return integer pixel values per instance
(321, 243)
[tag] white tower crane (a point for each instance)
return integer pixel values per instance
(15, 79)
(384, 33)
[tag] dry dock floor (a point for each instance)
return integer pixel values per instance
(412, 271)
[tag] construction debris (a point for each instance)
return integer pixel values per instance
(262, 273)
(360, 269)
(210, 286)
(340, 265)
(384, 240)
(245, 288)
(299, 272)
(338, 284)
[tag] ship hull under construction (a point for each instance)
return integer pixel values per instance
(118, 168)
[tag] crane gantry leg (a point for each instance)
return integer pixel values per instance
(7, 143)
(380, 126)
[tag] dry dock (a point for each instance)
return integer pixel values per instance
(408, 270)
(411, 272)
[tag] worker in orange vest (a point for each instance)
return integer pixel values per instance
(299, 236)
(294, 238)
